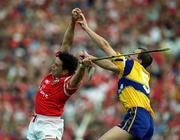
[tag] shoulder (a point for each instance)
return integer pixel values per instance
(66, 78)
(48, 76)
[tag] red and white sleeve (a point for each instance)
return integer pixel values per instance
(69, 89)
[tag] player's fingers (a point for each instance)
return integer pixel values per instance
(83, 61)
(81, 54)
(81, 15)
(86, 61)
(85, 53)
(80, 22)
(74, 12)
(78, 9)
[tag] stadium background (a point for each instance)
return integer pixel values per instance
(30, 32)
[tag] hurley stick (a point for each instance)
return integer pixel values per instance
(127, 54)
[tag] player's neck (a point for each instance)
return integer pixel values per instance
(59, 76)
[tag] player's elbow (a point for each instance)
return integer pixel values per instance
(115, 70)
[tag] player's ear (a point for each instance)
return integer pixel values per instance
(65, 72)
(140, 61)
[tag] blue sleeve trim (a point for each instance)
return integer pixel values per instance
(128, 67)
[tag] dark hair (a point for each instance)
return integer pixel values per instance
(146, 58)
(69, 62)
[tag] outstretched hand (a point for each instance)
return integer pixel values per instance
(85, 58)
(85, 61)
(75, 14)
(82, 20)
(79, 17)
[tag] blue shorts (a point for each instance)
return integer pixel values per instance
(139, 123)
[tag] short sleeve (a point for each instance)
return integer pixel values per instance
(69, 89)
(120, 63)
(58, 53)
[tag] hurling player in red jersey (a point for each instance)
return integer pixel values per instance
(55, 89)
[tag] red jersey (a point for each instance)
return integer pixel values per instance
(52, 95)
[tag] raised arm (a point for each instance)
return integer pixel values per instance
(101, 42)
(69, 34)
(78, 76)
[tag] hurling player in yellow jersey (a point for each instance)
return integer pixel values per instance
(133, 90)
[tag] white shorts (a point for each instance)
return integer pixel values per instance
(43, 127)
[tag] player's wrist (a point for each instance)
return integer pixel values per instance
(86, 27)
(73, 22)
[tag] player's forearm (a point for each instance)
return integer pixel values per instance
(78, 76)
(106, 64)
(101, 42)
(68, 37)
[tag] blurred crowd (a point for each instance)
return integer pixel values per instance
(32, 30)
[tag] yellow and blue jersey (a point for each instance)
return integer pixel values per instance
(133, 86)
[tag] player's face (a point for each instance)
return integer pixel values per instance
(56, 68)
(135, 57)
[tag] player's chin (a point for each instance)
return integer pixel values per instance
(53, 72)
